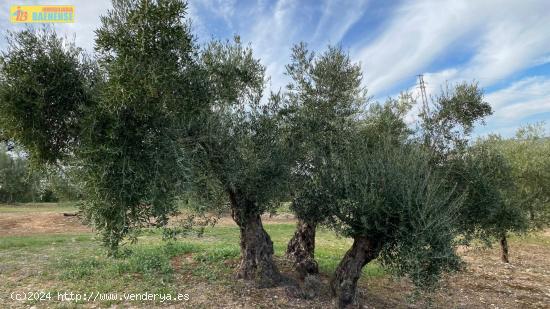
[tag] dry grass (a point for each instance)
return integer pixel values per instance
(33, 243)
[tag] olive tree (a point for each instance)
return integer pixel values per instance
(14, 184)
(525, 201)
(378, 187)
(447, 123)
(396, 207)
(529, 157)
(46, 83)
(325, 100)
(236, 142)
(130, 161)
(484, 177)
(481, 173)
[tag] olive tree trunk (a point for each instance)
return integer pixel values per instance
(256, 245)
(348, 272)
(504, 248)
(301, 248)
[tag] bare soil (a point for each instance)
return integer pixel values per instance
(26, 224)
(486, 282)
(54, 222)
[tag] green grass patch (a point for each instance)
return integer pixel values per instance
(536, 238)
(38, 207)
(77, 262)
(329, 248)
(72, 262)
(150, 257)
(217, 254)
(10, 242)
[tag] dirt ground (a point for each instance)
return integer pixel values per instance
(54, 222)
(25, 224)
(486, 283)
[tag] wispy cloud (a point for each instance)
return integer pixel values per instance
(504, 36)
(224, 9)
(416, 34)
(523, 98)
(272, 27)
(335, 22)
(490, 41)
(272, 35)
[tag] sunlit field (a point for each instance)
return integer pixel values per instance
(61, 256)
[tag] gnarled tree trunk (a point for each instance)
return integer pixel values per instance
(256, 245)
(301, 248)
(348, 272)
(504, 248)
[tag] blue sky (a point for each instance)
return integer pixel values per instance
(504, 45)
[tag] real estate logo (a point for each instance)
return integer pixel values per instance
(42, 14)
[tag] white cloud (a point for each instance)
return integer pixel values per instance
(334, 22)
(527, 97)
(221, 8)
(506, 36)
(271, 37)
(276, 29)
(543, 60)
(503, 37)
(418, 32)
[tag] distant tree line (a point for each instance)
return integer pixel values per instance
(20, 182)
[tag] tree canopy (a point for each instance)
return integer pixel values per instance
(46, 83)
(155, 118)
(131, 163)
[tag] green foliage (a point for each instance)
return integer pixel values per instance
(504, 183)
(61, 182)
(237, 146)
(480, 173)
(45, 86)
(193, 223)
(131, 164)
(14, 184)
(324, 100)
(385, 122)
(22, 182)
(483, 176)
(392, 195)
(356, 172)
(378, 184)
(449, 121)
(528, 155)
